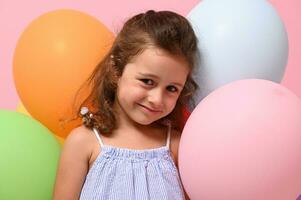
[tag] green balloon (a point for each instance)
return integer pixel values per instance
(29, 155)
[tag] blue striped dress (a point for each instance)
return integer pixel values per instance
(128, 174)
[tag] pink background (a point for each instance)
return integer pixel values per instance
(16, 15)
(290, 12)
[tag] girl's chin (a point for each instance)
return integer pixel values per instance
(144, 122)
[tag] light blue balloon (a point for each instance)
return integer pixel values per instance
(238, 39)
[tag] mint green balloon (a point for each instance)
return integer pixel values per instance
(29, 155)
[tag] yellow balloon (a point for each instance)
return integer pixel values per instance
(61, 140)
(22, 109)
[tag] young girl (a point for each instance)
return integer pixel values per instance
(128, 145)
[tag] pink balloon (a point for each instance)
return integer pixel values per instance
(242, 142)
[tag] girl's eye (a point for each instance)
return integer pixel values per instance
(172, 88)
(147, 81)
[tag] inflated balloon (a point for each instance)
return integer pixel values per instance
(29, 155)
(54, 56)
(185, 114)
(22, 109)
(238, 39)
(243, 142)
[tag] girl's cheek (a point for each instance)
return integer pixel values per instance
(171, 103)
(139, 92)
(173, 98)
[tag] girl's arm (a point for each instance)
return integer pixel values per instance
(73, 165)
(175, 141)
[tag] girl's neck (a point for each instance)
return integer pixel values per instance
(133, 135)
(138, 137)
(130, 126)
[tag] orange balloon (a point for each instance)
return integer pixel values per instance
(54, 55)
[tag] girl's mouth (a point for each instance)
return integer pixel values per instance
(150, 109)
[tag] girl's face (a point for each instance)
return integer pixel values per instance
(150, 86)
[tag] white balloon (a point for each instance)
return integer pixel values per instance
(238, 39)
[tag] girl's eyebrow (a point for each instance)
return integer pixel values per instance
(156, 77)
(178, 84)
(149, 75)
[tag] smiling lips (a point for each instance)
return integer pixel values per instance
(150, 110)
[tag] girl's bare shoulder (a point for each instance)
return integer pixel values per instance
(74, 163)
(80, 139)
(174, 144)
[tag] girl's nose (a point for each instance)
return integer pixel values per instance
(155, 98)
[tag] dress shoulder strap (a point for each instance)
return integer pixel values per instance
(96, 132)
(168, 135)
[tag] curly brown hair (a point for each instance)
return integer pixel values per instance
(163, 29)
